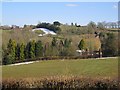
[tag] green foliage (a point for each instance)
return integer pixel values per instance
(27, 49)
(20, 49)
(17, 52)
(38, 49)
(109, 46)
(22, 55)
(10, 53)
(32, 49)
(35, 49)
(81, 45)
(8, 59)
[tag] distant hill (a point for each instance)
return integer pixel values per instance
(67, 31)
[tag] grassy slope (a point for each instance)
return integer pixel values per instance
(90, 68)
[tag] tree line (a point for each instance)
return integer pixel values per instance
(15, 52)
(18, 52)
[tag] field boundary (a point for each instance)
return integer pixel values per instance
(30, 62)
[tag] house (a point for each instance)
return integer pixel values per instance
(86, 53)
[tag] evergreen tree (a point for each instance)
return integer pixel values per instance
(10, 56)
(26, 50)
(81, 45)
(32, 49)
(17, 52)
(38, 49)
(22, 55)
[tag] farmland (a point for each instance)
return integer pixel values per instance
(59, 74)
(87, 68)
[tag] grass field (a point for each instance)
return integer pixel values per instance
(86, 68)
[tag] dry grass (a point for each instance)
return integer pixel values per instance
(61, 82)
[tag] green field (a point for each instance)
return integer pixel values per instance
(86, 68)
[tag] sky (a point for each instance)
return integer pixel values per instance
(20, 13)
(60, 0)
